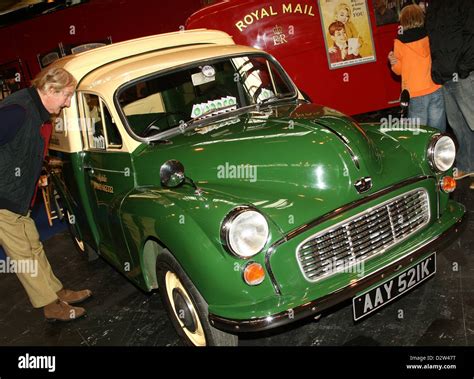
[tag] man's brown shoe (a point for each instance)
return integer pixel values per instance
(73, 297)
(59, 310)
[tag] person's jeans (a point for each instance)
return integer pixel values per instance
(429, 110)
(459, 100)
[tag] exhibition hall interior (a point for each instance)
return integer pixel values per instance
(236, 173)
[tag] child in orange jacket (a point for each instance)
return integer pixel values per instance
(411, 59)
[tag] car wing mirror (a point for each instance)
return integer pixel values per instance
(172, 174)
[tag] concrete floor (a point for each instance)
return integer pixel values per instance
(439, 312)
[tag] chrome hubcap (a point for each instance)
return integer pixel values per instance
(184, 309)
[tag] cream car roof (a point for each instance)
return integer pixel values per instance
(81, 64)
(103, 69)
(108, 78)
(105, 80)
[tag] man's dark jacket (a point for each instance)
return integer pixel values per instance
(21, 148)
(450, 26)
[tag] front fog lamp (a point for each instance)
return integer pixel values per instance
(254, 274)
(448, 184)
(244, 232)
(441, 153)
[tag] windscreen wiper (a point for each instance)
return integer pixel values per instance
(211, 111)
(275, 97)
(218, 111)
(182, 126)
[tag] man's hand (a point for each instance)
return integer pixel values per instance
(392, 58)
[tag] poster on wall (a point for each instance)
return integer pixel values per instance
(347, 32)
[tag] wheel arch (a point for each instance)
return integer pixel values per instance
(152, 225)
(152, 248)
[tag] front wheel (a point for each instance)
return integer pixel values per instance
(186, 307)
(76, 239)
(79, 244)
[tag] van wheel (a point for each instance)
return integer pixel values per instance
(186, 307)
(76, 239)
(79, 244)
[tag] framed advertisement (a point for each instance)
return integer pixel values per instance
(347, 32)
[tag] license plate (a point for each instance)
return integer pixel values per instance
(368, 302)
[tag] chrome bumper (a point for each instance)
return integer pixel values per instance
(317, 306)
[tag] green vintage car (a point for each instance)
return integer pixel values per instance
(195, 166)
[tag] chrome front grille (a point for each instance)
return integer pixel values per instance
(363, 236)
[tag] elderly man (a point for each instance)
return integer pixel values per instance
(22, 115)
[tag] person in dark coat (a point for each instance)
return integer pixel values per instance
(450, 26)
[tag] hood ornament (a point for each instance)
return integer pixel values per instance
(363, 184)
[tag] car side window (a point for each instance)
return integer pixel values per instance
(113, 136)
(93, 122)
(102, 133)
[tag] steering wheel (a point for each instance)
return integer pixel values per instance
(152, 129)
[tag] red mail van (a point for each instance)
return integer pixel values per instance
(297, 33)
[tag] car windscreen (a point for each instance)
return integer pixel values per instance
(202, 90)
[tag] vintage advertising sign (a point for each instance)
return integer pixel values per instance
(347, 32)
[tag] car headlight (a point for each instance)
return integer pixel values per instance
(244, 232)
(441, 153)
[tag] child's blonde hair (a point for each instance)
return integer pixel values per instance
(341, 6)
(412, 16)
